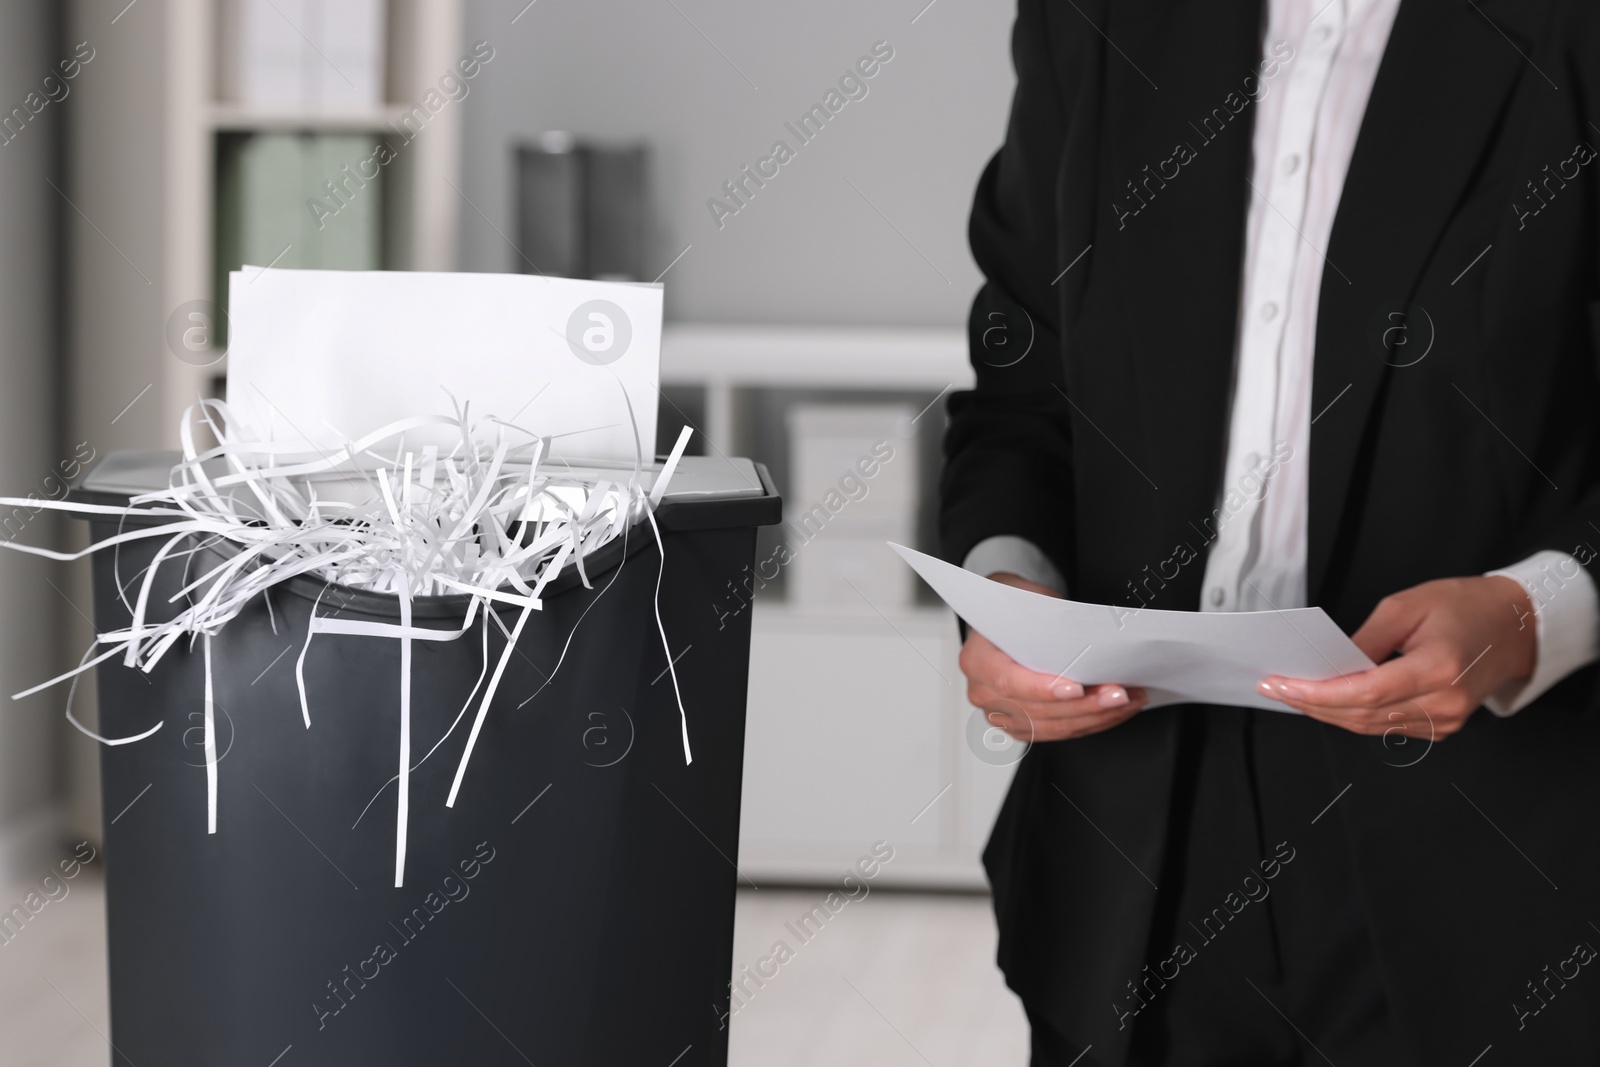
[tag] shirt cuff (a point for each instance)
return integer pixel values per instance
(1566, 613)
(1014, 555)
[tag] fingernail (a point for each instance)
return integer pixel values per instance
(1279, 689)
(1067, 691)
(1114, 697)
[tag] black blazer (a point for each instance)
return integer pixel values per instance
(1104, 445)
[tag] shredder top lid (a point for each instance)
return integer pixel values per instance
(706, 492)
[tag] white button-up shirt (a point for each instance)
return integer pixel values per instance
(1305, 132)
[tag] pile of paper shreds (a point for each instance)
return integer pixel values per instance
(490, 518)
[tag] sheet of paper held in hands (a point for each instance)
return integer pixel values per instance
(1178, 656)
(327, 356)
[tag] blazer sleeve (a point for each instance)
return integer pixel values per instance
(1008, 447)
(1578, 531)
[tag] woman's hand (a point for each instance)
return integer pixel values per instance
(1459, 639)
(1030, 706)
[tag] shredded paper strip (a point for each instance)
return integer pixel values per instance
(491, 519)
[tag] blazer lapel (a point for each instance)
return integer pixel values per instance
(1179, 257)
(1439, 93)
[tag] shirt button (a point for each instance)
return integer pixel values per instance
(1321, 33)
(1291, 163)
(1217, 595)
(1269, 311)
(1251, 459)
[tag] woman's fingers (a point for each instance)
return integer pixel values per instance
(1032, 706)
(1096, 700)
(1102, 707)
(983, 663)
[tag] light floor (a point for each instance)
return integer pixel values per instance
(892, 979)
(53, 979)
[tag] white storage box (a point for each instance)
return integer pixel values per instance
(853, 487)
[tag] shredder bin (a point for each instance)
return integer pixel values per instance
(574, 907)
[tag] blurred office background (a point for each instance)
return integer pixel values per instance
(815, 303)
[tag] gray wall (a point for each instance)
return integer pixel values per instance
(807, 247)
(29, 451)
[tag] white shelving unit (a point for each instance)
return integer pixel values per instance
(857, 725)
(725, 358)
(857, 732)
(243, 118)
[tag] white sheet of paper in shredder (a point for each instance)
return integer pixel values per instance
(330, 355)
(1179, 656)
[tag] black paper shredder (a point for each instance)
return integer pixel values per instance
(574, 907)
